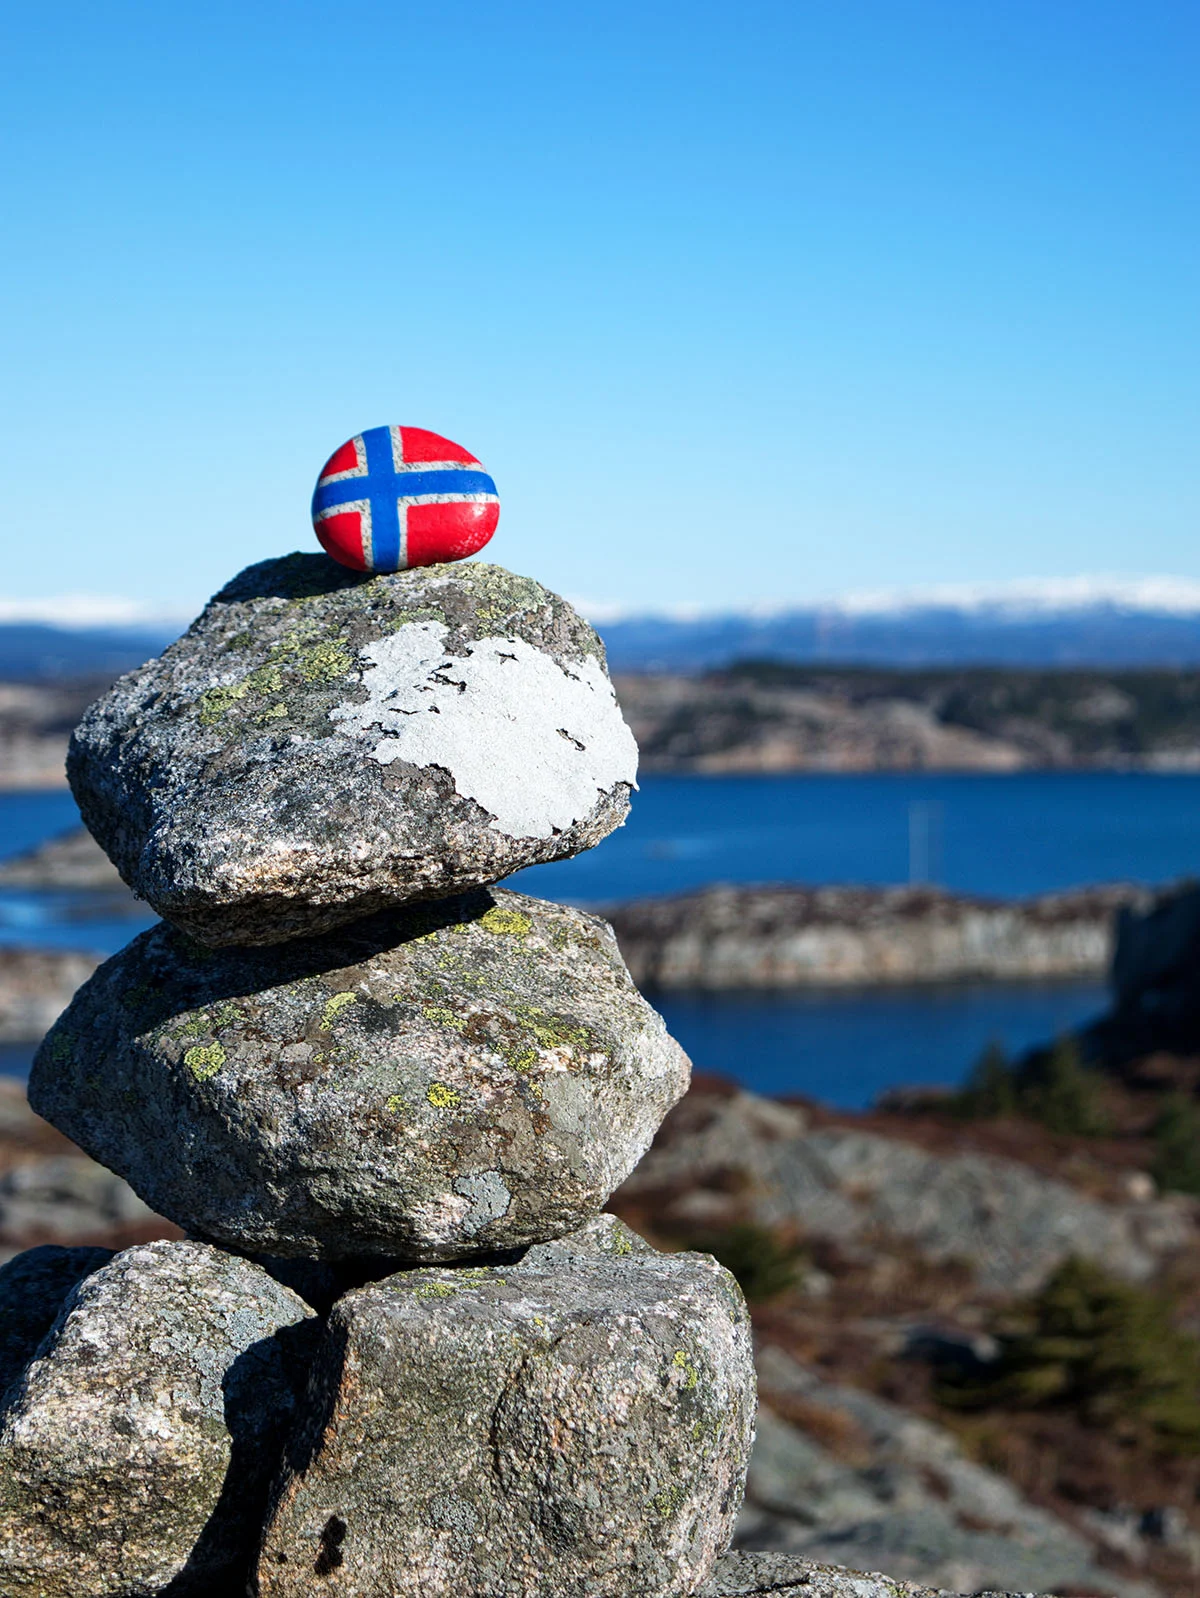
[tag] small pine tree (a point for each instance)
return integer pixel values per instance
(991, 1088)
(1057, 1089)
(763, 1263)
(1101, 1347)
(1176, 1165)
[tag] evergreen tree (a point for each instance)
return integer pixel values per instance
(1176, 1164)
(1057, 1089)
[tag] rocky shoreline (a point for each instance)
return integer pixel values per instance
(771, 716)
(728, 937)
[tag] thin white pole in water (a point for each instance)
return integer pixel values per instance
(918, 842)
(924, 837)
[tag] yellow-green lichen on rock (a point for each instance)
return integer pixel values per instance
(204, 1060)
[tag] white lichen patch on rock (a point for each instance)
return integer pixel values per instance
(319, 746)
(533, 741)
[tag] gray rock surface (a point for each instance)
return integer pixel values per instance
(135, 1451)
(439, 1081)
(322, 744)
(747, 1575)
(577, 1423)
(870, 1484)
(32, 1289)
(747, 1157)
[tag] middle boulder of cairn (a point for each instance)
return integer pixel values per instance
(452, 1079)
(346, 1044)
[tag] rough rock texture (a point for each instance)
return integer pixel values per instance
(136, 1450)
(578, 1423)
(747, 1575)
(740, 1157)
(322, 744)
(788, 937)
(439, 1081)
(865, 1482)
(32, 1289)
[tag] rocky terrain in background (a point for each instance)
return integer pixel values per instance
(35, 726)
(719, 937)
(771, 716)
(881, 1255)
(767, 716)
(52, 1193)
(36, 986)
(787, 937)
(977, 1315)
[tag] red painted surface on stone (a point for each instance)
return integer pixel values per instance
(342, 460)
(341, 537)
(420, 445)
(448, 532)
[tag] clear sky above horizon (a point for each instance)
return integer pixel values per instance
(737, 304)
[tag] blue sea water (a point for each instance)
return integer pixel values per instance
(1027, 833)
(1004, 835)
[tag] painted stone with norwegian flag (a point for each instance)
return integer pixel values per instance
(396, 497)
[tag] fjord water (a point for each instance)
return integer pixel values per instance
(1008, 836)
(995, 835)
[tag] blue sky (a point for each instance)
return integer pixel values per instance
(753, 303)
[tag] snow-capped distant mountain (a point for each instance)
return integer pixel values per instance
(1077, 621)
(1074, 621)
(76, 612)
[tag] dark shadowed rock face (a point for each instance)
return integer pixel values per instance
(136, 1450)
(441, 1081)
(578, 1423)
(33, 1287)
(321, 744)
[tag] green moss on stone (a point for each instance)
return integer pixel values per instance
(506, 923)
(60, 1046)
(667, 1502)
(334, 1007)
(325, 663)
(682, 1360)
(554, 1031)
(440, 1016)
(205, 1060)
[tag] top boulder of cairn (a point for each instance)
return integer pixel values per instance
(321, 744)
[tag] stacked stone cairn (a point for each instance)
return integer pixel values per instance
(400, 1350)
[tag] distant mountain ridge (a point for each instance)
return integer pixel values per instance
(1084, 621)
(39, 652)
(1151, 624)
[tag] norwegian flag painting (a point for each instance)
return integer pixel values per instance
(395, 497)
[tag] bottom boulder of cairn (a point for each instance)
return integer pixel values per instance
(576, 1423)
(137, 1445)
